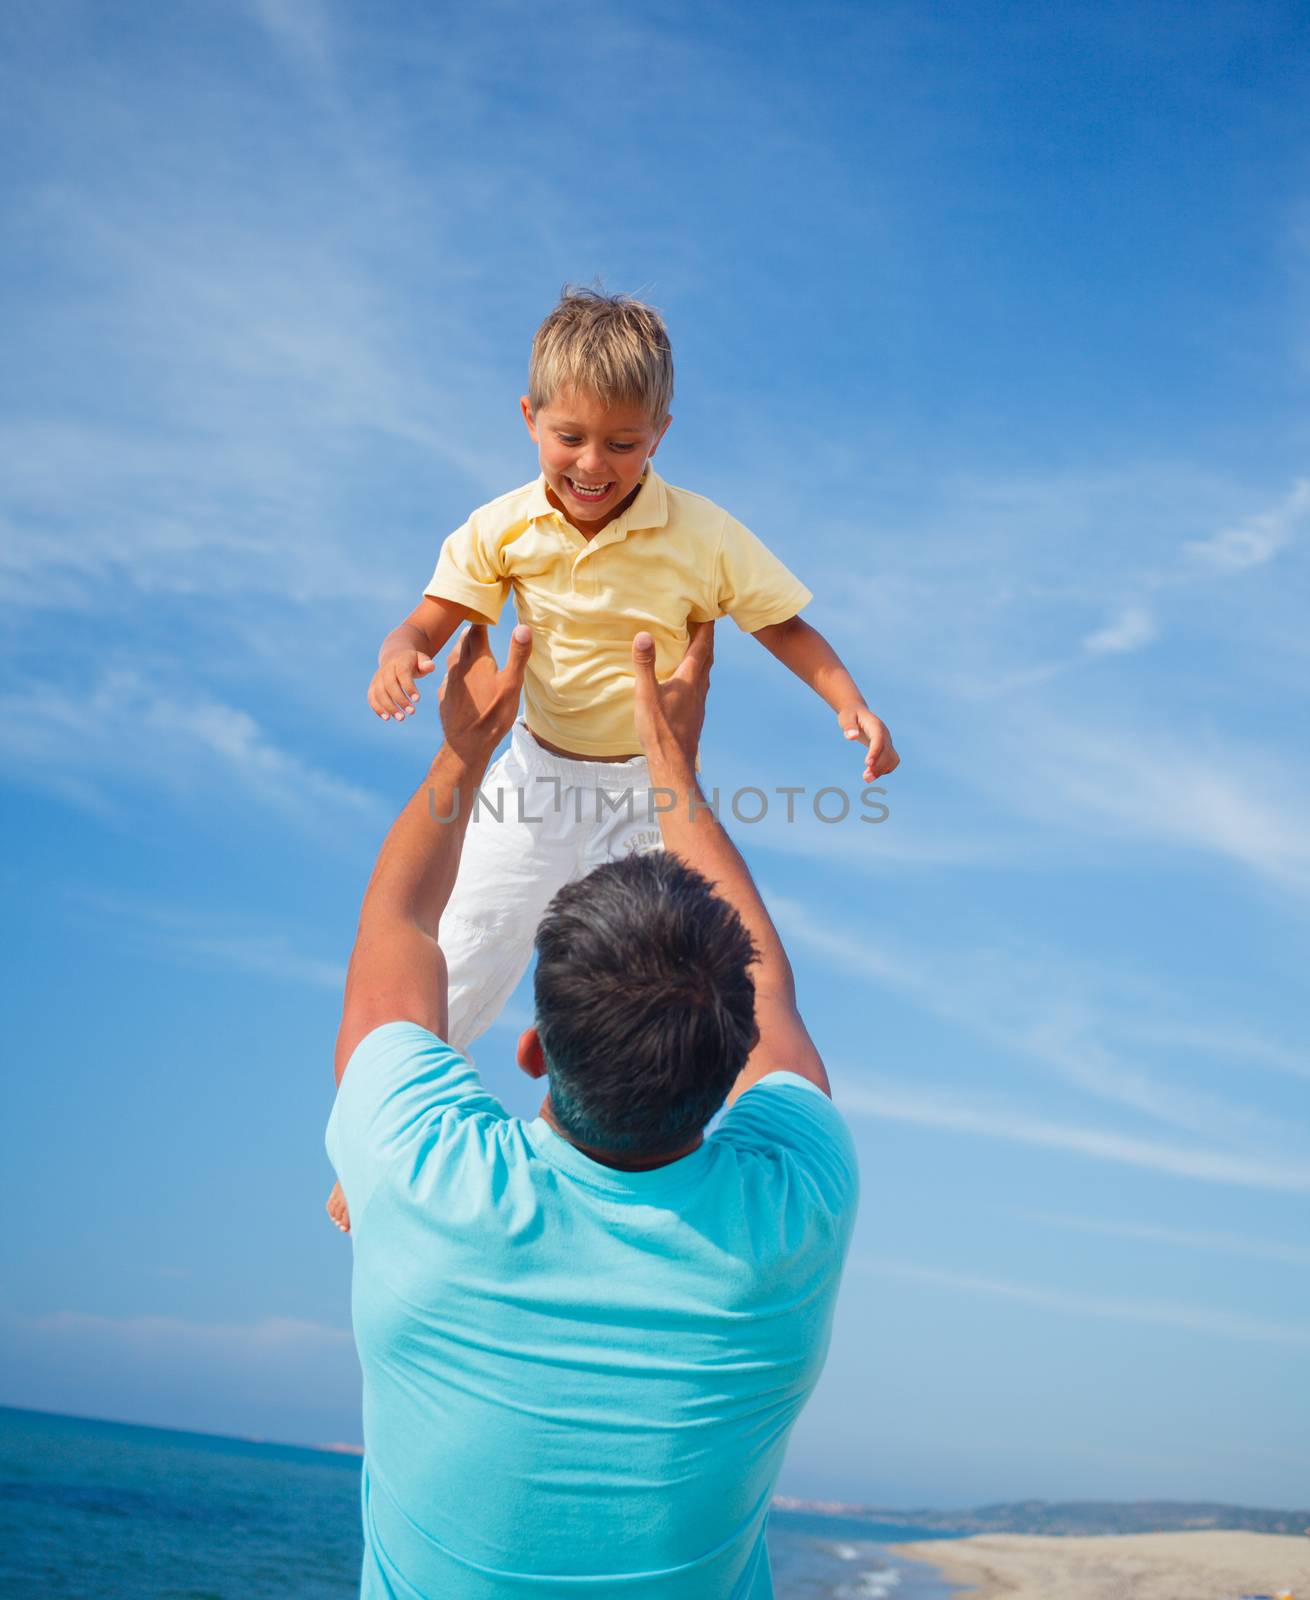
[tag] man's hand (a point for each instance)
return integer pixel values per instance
(479, 701)
(881, 757)
(673, 712)
(669, 718)
(397, 971)
(392, 692)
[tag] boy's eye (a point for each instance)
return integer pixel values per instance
(621, 446)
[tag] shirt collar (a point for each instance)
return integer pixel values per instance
(617, 1181)
(649, 510)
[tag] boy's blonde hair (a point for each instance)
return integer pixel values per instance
(613, 345)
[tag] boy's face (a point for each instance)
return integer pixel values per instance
(592, 454)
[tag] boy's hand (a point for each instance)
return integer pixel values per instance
(337, 1208)
(860, 723)
(392, 692)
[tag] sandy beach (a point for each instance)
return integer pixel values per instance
(1211, 1565)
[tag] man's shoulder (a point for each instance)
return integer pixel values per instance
(791, 1097)
(784, 1118)
(403, 1096)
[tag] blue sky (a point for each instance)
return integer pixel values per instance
(994, 320)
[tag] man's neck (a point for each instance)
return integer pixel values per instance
(622, 1162)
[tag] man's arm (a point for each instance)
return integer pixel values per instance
(397, 972)
(669, 718)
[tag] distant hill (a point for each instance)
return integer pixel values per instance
(1072, 1516)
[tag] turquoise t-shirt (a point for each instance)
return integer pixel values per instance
(578, 1381)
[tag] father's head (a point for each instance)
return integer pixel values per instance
(645, 1007)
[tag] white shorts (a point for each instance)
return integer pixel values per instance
(542, 821)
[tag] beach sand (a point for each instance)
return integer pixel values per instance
(1134, 1566)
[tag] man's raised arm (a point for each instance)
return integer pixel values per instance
(397, 972)
(669, 718)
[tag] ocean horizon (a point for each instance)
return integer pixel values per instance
(122, 1510)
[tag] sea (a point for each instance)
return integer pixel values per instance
(109, 1511)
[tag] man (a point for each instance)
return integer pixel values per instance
(585, 1338)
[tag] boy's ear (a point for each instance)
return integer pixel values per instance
(531, 1057)
(658, 436)
(525, 406)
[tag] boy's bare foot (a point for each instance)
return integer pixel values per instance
(336, 1208)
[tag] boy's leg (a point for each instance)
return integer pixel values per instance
(520, 847)
(580, 814)
(625, 822)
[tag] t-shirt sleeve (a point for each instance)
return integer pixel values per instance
(752, 586)
(786, 1117)
(401, 1085)
(471, 573)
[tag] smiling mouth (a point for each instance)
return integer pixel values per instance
(592, 494)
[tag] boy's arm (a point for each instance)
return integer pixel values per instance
(669, 717)
(407, 653)
(809, 655)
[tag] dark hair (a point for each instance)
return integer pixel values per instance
(645, 1004)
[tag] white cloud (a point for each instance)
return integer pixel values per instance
(1037, 1008)
(271, 956)
(981, 590)
(301, 28)
(1219, 1039)
(272, 1338)
(1257, 540)
(900, 842)
(1069, 1037)
(187, 935)
(288, 1376)
(1158, 1313)
(98, 516)
(1133, 628)
(940, 1108)
(271, 373)
(1209, 794)
(124, 729)
(1231, 1244)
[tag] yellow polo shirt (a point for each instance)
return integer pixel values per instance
(672, 558)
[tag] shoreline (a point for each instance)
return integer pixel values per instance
(1214, 1564)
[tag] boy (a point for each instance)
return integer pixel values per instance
(598, 549)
